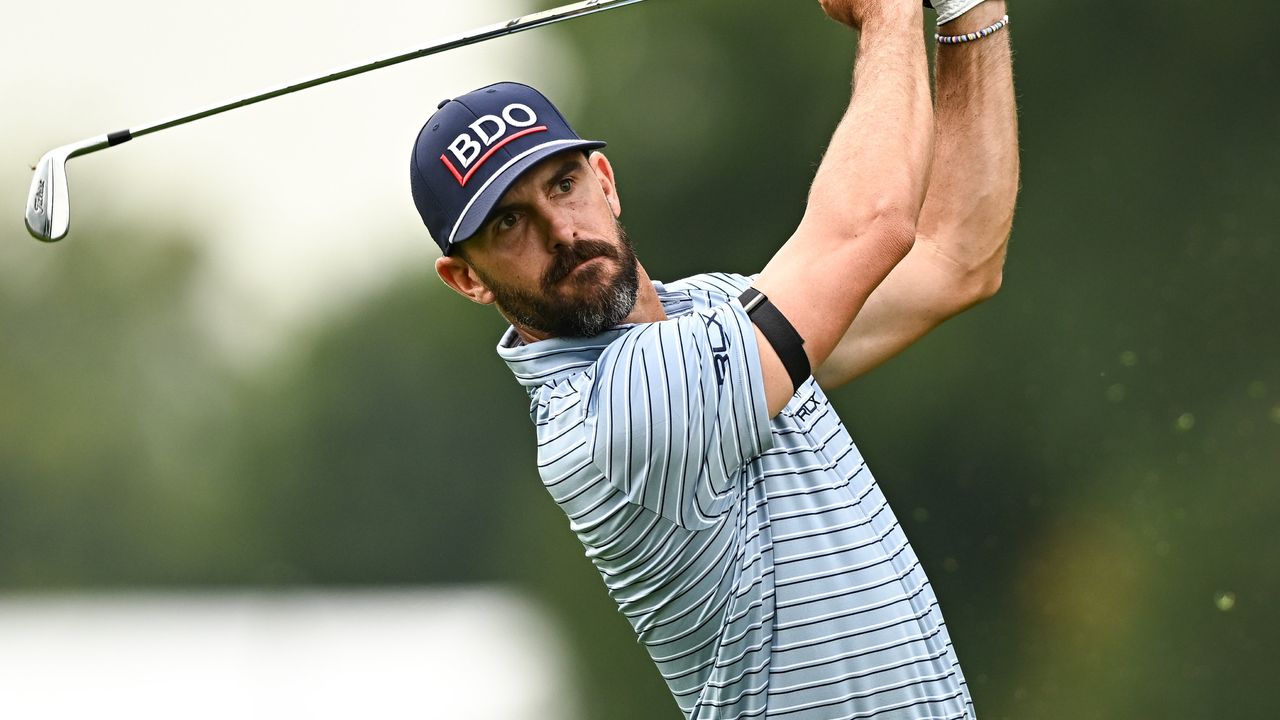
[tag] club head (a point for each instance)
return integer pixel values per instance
(48, 204)
(48, 213)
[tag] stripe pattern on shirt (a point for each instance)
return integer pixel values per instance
(757, 560)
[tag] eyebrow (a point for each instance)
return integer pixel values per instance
(573, 164)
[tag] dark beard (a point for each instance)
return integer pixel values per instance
(603, 306)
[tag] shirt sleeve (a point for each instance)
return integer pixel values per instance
(677, 410)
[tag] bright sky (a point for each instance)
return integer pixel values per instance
(304, 200)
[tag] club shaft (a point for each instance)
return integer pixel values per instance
(48, 217)
(510, 27)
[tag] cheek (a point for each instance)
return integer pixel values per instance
(516, 259)
(598, 220)
(527, 270)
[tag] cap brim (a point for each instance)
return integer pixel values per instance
(483, 202)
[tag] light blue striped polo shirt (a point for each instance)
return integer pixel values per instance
(756, 559)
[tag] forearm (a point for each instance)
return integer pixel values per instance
(865, 199)
(968, 209)
(964, 226)
(876, 167)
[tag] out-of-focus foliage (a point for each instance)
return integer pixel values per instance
(112, 450)
(1087, 464)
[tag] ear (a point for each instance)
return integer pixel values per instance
(459, 275)
(604, 173)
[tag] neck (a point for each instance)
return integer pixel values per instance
(648, 309)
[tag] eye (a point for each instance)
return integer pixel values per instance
(566, 185)
(506, 222)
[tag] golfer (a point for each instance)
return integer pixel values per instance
(683, 426)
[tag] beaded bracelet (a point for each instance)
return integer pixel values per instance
(976, 35)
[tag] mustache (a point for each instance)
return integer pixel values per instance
(573, 256)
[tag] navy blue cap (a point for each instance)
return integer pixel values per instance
(474, 148)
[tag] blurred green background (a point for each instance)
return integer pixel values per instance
(1086, 464)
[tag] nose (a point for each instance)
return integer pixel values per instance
(561, 228)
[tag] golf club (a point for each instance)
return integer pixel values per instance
(48, 214)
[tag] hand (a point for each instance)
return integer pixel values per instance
(857, 13)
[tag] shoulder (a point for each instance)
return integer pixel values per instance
(716, 287)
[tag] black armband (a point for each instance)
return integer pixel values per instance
(780, 334)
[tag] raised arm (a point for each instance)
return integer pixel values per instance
(865, 202)
(964, 226)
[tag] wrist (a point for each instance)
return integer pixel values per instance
(895, 19)
(973, 36)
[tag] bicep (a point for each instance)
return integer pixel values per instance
(820, 282)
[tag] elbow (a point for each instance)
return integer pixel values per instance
(973, 278)
(981, 290)
(987, 284)
(981, 283)
(894, 234)
(888, 228)
(990, 289)
(965, 293)
(990, 274)
(973, 248)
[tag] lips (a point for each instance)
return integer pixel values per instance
(586, 262)
(575, 259)
(575, 270)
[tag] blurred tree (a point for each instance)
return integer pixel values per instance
(384, 448)
(112, 457)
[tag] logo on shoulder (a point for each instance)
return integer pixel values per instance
(487, 135)
(719, 343)
(808, 407)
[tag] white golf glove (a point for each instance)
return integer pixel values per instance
(949, 10)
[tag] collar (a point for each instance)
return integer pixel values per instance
(553, 360)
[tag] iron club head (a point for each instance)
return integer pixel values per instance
(48, 204)
(48, 216)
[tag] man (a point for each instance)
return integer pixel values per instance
(683, 428)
